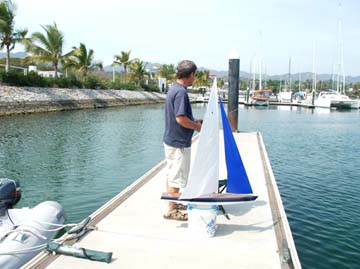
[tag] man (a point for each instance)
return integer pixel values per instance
(179, 128)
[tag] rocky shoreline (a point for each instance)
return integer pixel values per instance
(18, 100)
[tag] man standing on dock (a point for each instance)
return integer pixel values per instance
(179, 128)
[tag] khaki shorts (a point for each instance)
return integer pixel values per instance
(177, 166)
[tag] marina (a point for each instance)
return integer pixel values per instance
(274, 180)
(317, 180)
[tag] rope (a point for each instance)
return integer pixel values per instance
(55, 224)
(24, 231)
(40, 246)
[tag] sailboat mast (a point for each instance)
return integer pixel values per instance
(280, 85)
(340, 86)
(249, 84)
(265, 77)
(260, 81)
(289, 74)
(314, 74)
(291, 96)
(333, 77)
(260, 61)
(254, 70)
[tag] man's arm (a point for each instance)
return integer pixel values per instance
(187, 123)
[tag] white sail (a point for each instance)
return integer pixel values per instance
(204, 174)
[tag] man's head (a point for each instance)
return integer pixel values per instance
(185, 72)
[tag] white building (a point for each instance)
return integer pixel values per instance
(45, 74)
(162, 84)
(49, 74)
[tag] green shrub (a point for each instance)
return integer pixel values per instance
(93, 82)
(122, 86)
(32, 79)
(150, 87)
(14, 78)
(62, 82)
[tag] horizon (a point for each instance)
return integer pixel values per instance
(206, 31)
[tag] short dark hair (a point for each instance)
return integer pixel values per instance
(185, 68)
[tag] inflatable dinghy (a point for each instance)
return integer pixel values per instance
(24, 232)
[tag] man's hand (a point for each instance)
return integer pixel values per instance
(187, 123)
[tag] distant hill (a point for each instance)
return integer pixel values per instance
(245, 75)
(20, 54)
(309, 76)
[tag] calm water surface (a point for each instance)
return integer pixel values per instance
(83, 158)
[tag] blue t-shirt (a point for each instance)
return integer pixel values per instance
(177, 104)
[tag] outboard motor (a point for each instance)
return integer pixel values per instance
(10, 194)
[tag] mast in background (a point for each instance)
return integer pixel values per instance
(260, 61)
(290, 79)
(340, 85)
(314, 76)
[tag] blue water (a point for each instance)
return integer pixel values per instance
(83, 158)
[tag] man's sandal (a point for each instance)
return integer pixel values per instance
(176, 215)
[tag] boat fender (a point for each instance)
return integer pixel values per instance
(83, 253)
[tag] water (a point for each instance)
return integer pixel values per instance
(83, 158)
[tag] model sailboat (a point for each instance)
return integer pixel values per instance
(203, 183)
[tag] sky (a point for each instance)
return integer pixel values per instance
(207, 31)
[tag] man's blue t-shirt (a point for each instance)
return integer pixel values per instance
(177, 104)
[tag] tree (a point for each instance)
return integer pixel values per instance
(137, 68)
(168, 72)
(82, 60)
(202, 78)
(8, 36)
(220, 83)
(47, 48)
(123, 60)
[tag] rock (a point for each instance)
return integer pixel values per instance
(15, 100)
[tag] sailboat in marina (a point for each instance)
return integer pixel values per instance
(337, 99)
(203, 183)
(285, 96)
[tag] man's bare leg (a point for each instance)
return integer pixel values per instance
(171, 190)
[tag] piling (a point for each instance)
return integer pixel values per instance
(233, 95)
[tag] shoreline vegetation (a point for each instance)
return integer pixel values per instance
(23, 100)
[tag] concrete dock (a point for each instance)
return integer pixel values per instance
(132, 227)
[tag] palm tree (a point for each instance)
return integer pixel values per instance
(137, 68)
(220, 82)
(168, 72)
(202, 78)
(123, 60)
(47, 48)
(82, 60)
(8, 36)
